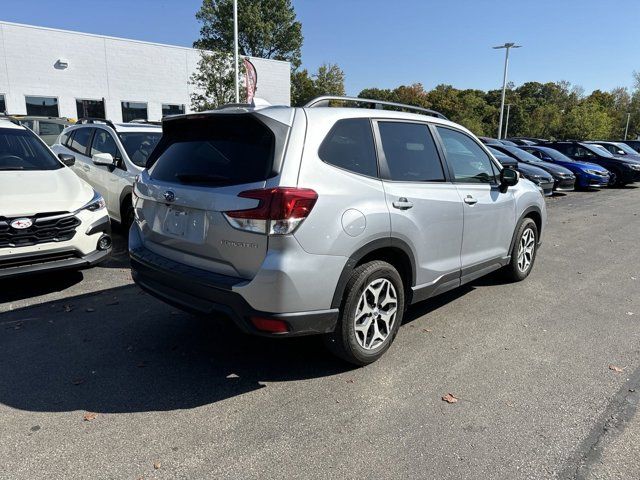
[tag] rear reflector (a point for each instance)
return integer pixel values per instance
(279, 211)
(270, 325)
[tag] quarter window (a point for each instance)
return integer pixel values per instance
(42, 106)
(349, 145)
(80, 140)
(410, 152)
(469, 162)
(3, 104)
(134, 111)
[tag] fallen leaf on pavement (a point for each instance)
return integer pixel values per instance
(89, 310)
(629, 313)
(232, 375)
(349, 380)
(78, 381)
(142, 364)
(426, 330)
(450, 398)
(157, 465)
(88, 416)
(616, 369)
(68, 308)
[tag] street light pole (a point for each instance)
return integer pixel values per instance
(235, 49)
(626, 130)
(507, 47)
(506, 124)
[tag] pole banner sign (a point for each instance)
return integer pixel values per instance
(250, 79)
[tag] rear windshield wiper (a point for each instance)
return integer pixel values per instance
(201, 178)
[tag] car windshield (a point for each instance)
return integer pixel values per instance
(522, 155)
(626, 148)
(21, 150)
(139, 145)
(597, 149)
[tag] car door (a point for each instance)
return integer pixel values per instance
(78, 144)
(489, 214)
(109, 178)
(426, 211)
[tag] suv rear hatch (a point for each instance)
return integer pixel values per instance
(198, 171)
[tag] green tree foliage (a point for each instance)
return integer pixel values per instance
(545, 110)
(328, 80)
(214, 82)
(266, 29)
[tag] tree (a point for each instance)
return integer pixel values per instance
(588, 120)
(266, 29)
(214, 81)
(328, 80)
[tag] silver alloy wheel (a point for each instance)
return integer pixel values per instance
(525, 249)
(376, 313)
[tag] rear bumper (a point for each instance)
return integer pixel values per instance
(206, 293)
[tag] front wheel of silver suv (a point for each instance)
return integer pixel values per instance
(370, 315)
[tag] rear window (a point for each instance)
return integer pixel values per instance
(216, 150)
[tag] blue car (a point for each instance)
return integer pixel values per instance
(587, 174)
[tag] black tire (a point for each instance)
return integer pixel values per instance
(342, 341)
(512, 271)
(127, 218)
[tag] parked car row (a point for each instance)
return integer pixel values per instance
(572, 164)
(290, 221)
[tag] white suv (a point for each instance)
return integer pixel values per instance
(109, 156)
(49, 218)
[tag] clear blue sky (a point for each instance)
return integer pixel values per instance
(386, 43)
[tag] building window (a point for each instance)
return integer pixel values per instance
(90, 108)
(134, 111)
(3, 104)
(42, 106)
(171, 109)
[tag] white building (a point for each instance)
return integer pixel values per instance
(51, 72)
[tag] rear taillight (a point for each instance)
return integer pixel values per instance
(279, 211)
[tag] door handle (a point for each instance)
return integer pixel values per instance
(402, 204)
(469, 200)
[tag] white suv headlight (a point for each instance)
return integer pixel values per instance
(96, 203)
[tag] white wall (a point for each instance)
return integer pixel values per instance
(116, 69)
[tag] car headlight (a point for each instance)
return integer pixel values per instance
(594, 172)
(96, 203)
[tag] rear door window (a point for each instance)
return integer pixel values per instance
(349, 145)
(218, 150)
(103, 142)
(410, 152)
(80, 140)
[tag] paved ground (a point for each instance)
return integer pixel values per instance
(174, 396)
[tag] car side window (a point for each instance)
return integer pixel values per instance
(349, 145)
(80, 140)
(410, 152)
(103, 142)
(50, 128)
(577, 151)
(469, 162)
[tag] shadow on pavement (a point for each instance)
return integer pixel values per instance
(13, 289)
(120, 350)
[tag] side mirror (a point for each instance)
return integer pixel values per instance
(67, 159)
(508, 178)
(103, 159)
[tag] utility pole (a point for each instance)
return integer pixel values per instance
(235, 48)
(626, 130)
(506, 124)
(507, 47)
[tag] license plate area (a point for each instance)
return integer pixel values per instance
(184, 223)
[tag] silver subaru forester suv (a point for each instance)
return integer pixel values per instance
(325, 219)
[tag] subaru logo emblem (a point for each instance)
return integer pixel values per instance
(21, 223)
(169, 196)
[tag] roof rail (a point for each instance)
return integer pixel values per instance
(324, 100)
(85, 120)
(144, 121)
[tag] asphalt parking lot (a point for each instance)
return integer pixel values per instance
(98, 380)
